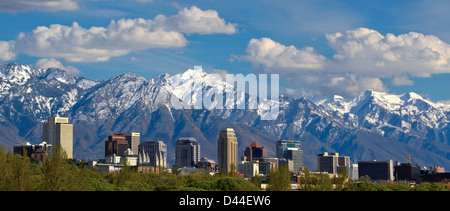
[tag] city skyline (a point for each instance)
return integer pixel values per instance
(187, 153)
(152, 158)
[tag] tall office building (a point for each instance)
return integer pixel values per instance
(59, 133)
(290, 150)
(187, 152)
(227, 150)
(332, 163)
(116, 145)
(133, 139)
(255, 151)
(376, 170)
(153, 153)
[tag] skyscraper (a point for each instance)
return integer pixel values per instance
(332, 162)
(59, 133)
(255, 151)
(133, 139)
(376, 170)
(187, 152)
(116, 145)
(153, 153)
(227, 150)
(290, 150)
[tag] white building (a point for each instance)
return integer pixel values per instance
(115, 162)
(248, 169)
(59, 133)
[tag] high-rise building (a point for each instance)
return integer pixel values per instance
(407, 171)
(59, 133)
(133, 139)
(116, 145)
(187, 152)
(227, 150)
(332, 163)
(153, 153)
(376, 170)
(290, 150)
(255, 151)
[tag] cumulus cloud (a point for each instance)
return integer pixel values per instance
(270, 54)
(53, 63)
(44, 5)
(362, 58)
(367, 51)
(327, 84)
(7, 50)
(401, 80)
(98, 44)
(194, 20)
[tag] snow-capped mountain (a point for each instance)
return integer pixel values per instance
(374, 125)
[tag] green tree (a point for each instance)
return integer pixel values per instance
(21, 174)
(428, 186)
(5, 170)
(279, 180)
(15, 172)
(124, 174)
(257, 180)
(232, 170)
(234, 184)
(366, 186)
(176, 171)
(322, 182)
(340, 180)
(306, 180)
(315, 181)
(398, 187)
(57, 172)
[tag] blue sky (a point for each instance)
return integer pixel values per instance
(319, 47)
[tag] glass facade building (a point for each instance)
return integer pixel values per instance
(290, 150)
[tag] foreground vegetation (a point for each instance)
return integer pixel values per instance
(19, 173)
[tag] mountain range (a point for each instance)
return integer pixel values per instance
(372, 126)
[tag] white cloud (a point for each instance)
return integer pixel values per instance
(7, 50)
(269, 54)
(194, 20)
(44, 5)
(53, 63)
(98, 44)
(327, 84)
(369, 52)
(401, 80)
(363, 57)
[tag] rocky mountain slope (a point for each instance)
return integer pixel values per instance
(374, 125)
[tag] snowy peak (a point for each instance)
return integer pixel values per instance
(163, 79)
(411, 96)
(17, 74)
(197, 72)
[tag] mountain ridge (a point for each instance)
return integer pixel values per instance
(374, 125)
